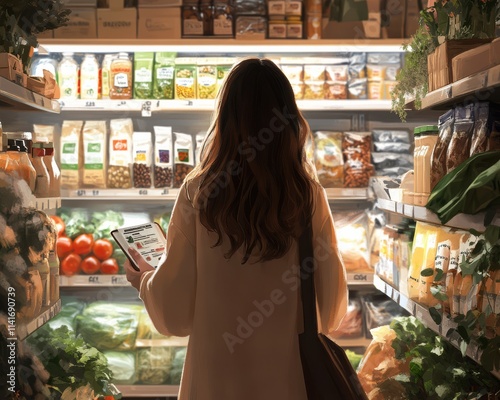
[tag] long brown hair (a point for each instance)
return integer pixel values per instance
(255, 184)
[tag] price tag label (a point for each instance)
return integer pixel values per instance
(164, 192)
(95, 192)
(361, 277)
(143, 192)
(89, 104)
(146, 109)
(119, 280)
(94, 279)
(81, 192)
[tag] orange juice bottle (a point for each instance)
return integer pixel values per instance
(425, 282)
(449, 304)
(417, 259)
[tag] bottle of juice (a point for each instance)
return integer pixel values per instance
(468, 291)
(68, 71)
(417, 259)
(89, 78)
(19, 152)
(105, 75)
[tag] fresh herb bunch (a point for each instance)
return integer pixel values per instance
(413, 77)
(70, 361)
(437, 370)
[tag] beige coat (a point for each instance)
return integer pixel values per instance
(242, 320)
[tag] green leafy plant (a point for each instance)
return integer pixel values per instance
(437, 369)
(482, 263)
(71, 362)
(22, 20)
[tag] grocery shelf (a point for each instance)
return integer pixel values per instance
(148, 107)
(420, 213)
(24, 329)
(354, 342)
(166, 342)
(360, 278)
(23, 98)
(423, 315)
(170, 194)
(148, 390)
(93, 281)
(120, 194)
(222, 46)
(480, 86)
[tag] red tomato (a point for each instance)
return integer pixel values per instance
(90, 265)
(83, 243)
(102, 249)
(109, 267)
(60, 225)
(64, 246)
(71, 264)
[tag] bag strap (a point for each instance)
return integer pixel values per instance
(307, 292)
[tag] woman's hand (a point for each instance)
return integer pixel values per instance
(134, 276)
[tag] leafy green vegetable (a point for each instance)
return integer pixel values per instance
(100, 224)
(354, 358)
(70, 361)
(437, 369)
(122, 363)
(94, 325)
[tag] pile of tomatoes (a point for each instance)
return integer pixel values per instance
(83, 253)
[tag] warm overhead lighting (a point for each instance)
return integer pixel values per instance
(219, 46)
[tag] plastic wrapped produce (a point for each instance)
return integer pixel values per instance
(122, 365)
(328, 158)
(145, 327)
(95, 327)
(177, 366)
(382, 135)
(486, 133)
(153, 365)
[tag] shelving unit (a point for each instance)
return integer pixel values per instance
(46, 203)
(422, 314)
(148, 107)
(419, 213)
(481, 85)
(22, 98)
(170, 194)
(24, 329)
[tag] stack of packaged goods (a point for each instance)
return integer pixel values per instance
(285, 19)
(382, 69)
(250, 19)
(342, 159)
(391, 154)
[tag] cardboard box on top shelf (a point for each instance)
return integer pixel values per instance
(117, 22)
(472, 61)
(439, 63)
(11, 68)
(367, 29)
(159, 23)
(81, 25)
(393, 18)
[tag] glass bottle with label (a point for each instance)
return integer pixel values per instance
(18, 151)
(89, 78)
(121, 77)
(68, 76)
(105, 75)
